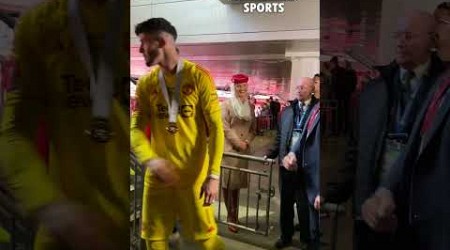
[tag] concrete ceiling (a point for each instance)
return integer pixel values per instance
(264, 62)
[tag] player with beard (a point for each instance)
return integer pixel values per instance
(179, 101)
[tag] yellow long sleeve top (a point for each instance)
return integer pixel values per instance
(193, 153)
(52, 84)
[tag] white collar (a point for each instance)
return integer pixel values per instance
(306, 103)
(419, 71)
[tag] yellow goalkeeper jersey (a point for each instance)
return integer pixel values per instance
(52, 85)
(193, 153)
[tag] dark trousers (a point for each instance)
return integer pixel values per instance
(314, 225)
(367, 239)
(292, 191)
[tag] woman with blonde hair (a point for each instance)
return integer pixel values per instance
(239, 124)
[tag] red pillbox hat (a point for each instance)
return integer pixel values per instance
(239, 78)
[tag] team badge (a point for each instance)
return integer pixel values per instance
(188, 89)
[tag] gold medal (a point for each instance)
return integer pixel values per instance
(172, 128)
(100, 131)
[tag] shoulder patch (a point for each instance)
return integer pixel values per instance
(187, 89)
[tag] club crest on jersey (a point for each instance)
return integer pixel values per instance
(77, 91)
(187, 111)
(188, 89)
(153, 92)
(163, 111)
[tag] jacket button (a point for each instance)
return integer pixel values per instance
(416, 217)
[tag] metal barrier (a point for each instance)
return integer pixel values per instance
(136, 188)
(21, 235)
(269, 192)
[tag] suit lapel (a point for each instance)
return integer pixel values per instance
(290, 122)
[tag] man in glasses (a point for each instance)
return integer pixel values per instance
(407, 84)
(385, 124)
(418, 185)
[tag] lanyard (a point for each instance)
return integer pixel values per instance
(301, 117)
(405, 116)
(101, 79)
(174, 102)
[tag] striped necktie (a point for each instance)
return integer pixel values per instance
(434, 106)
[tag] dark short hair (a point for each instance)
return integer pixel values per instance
(444, 5)
(156, 25)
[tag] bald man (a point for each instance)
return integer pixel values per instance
(422, 172)
(385, 125)
(387, 109)
(292, 124)
(308, 150)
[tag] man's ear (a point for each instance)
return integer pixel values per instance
(162, 42)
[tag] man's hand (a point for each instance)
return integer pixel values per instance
(387, 204)
(290, 162)
(378, 211)
(209, 190)
(77, 227)
(243, 146)
(369, 211)
(317, 202)
(164, 171)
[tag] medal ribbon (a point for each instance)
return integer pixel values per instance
(174, 103)
(102, 79)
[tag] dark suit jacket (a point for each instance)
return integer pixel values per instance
(421, 177)
(280, 147)
(308, 151)
(375, 107)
